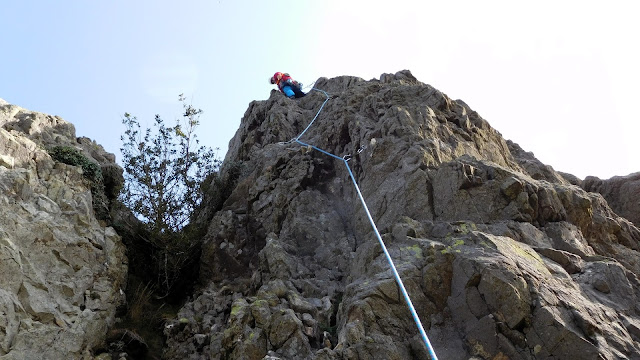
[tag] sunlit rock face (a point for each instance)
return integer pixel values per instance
(62, 271)
(503, 257)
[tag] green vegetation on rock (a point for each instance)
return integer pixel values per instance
(91, 172)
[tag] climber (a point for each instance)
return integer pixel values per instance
(287, 85)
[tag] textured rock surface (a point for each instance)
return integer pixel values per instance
(504, 258)
(621, 192)
(62, 270)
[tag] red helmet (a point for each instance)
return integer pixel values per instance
(276, 77)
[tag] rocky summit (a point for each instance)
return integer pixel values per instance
(502, 256)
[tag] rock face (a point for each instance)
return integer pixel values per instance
(62, 270)
(621, 192)
(502, 256)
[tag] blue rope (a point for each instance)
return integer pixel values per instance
(318, 113)
(412, 309)
(322, 151)
(395, 272)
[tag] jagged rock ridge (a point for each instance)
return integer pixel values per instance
(622, 194)
(62, 270)
(504, 257)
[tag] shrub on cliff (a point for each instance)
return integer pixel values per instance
(164, 169)
(91, 172)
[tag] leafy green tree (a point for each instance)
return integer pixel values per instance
(164, 170)
(164, 173)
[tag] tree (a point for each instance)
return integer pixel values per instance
(164, 172)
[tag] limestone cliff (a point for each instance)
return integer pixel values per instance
(62, 269)
(504, 257)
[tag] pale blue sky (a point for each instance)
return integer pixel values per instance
(560, 78)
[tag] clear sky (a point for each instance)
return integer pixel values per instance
(560, 78)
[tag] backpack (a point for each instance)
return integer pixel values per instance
(293, 82)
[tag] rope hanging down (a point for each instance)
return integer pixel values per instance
(345, 159)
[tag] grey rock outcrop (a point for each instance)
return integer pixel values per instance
(62, 270)
(621, 192)
(503, 257)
